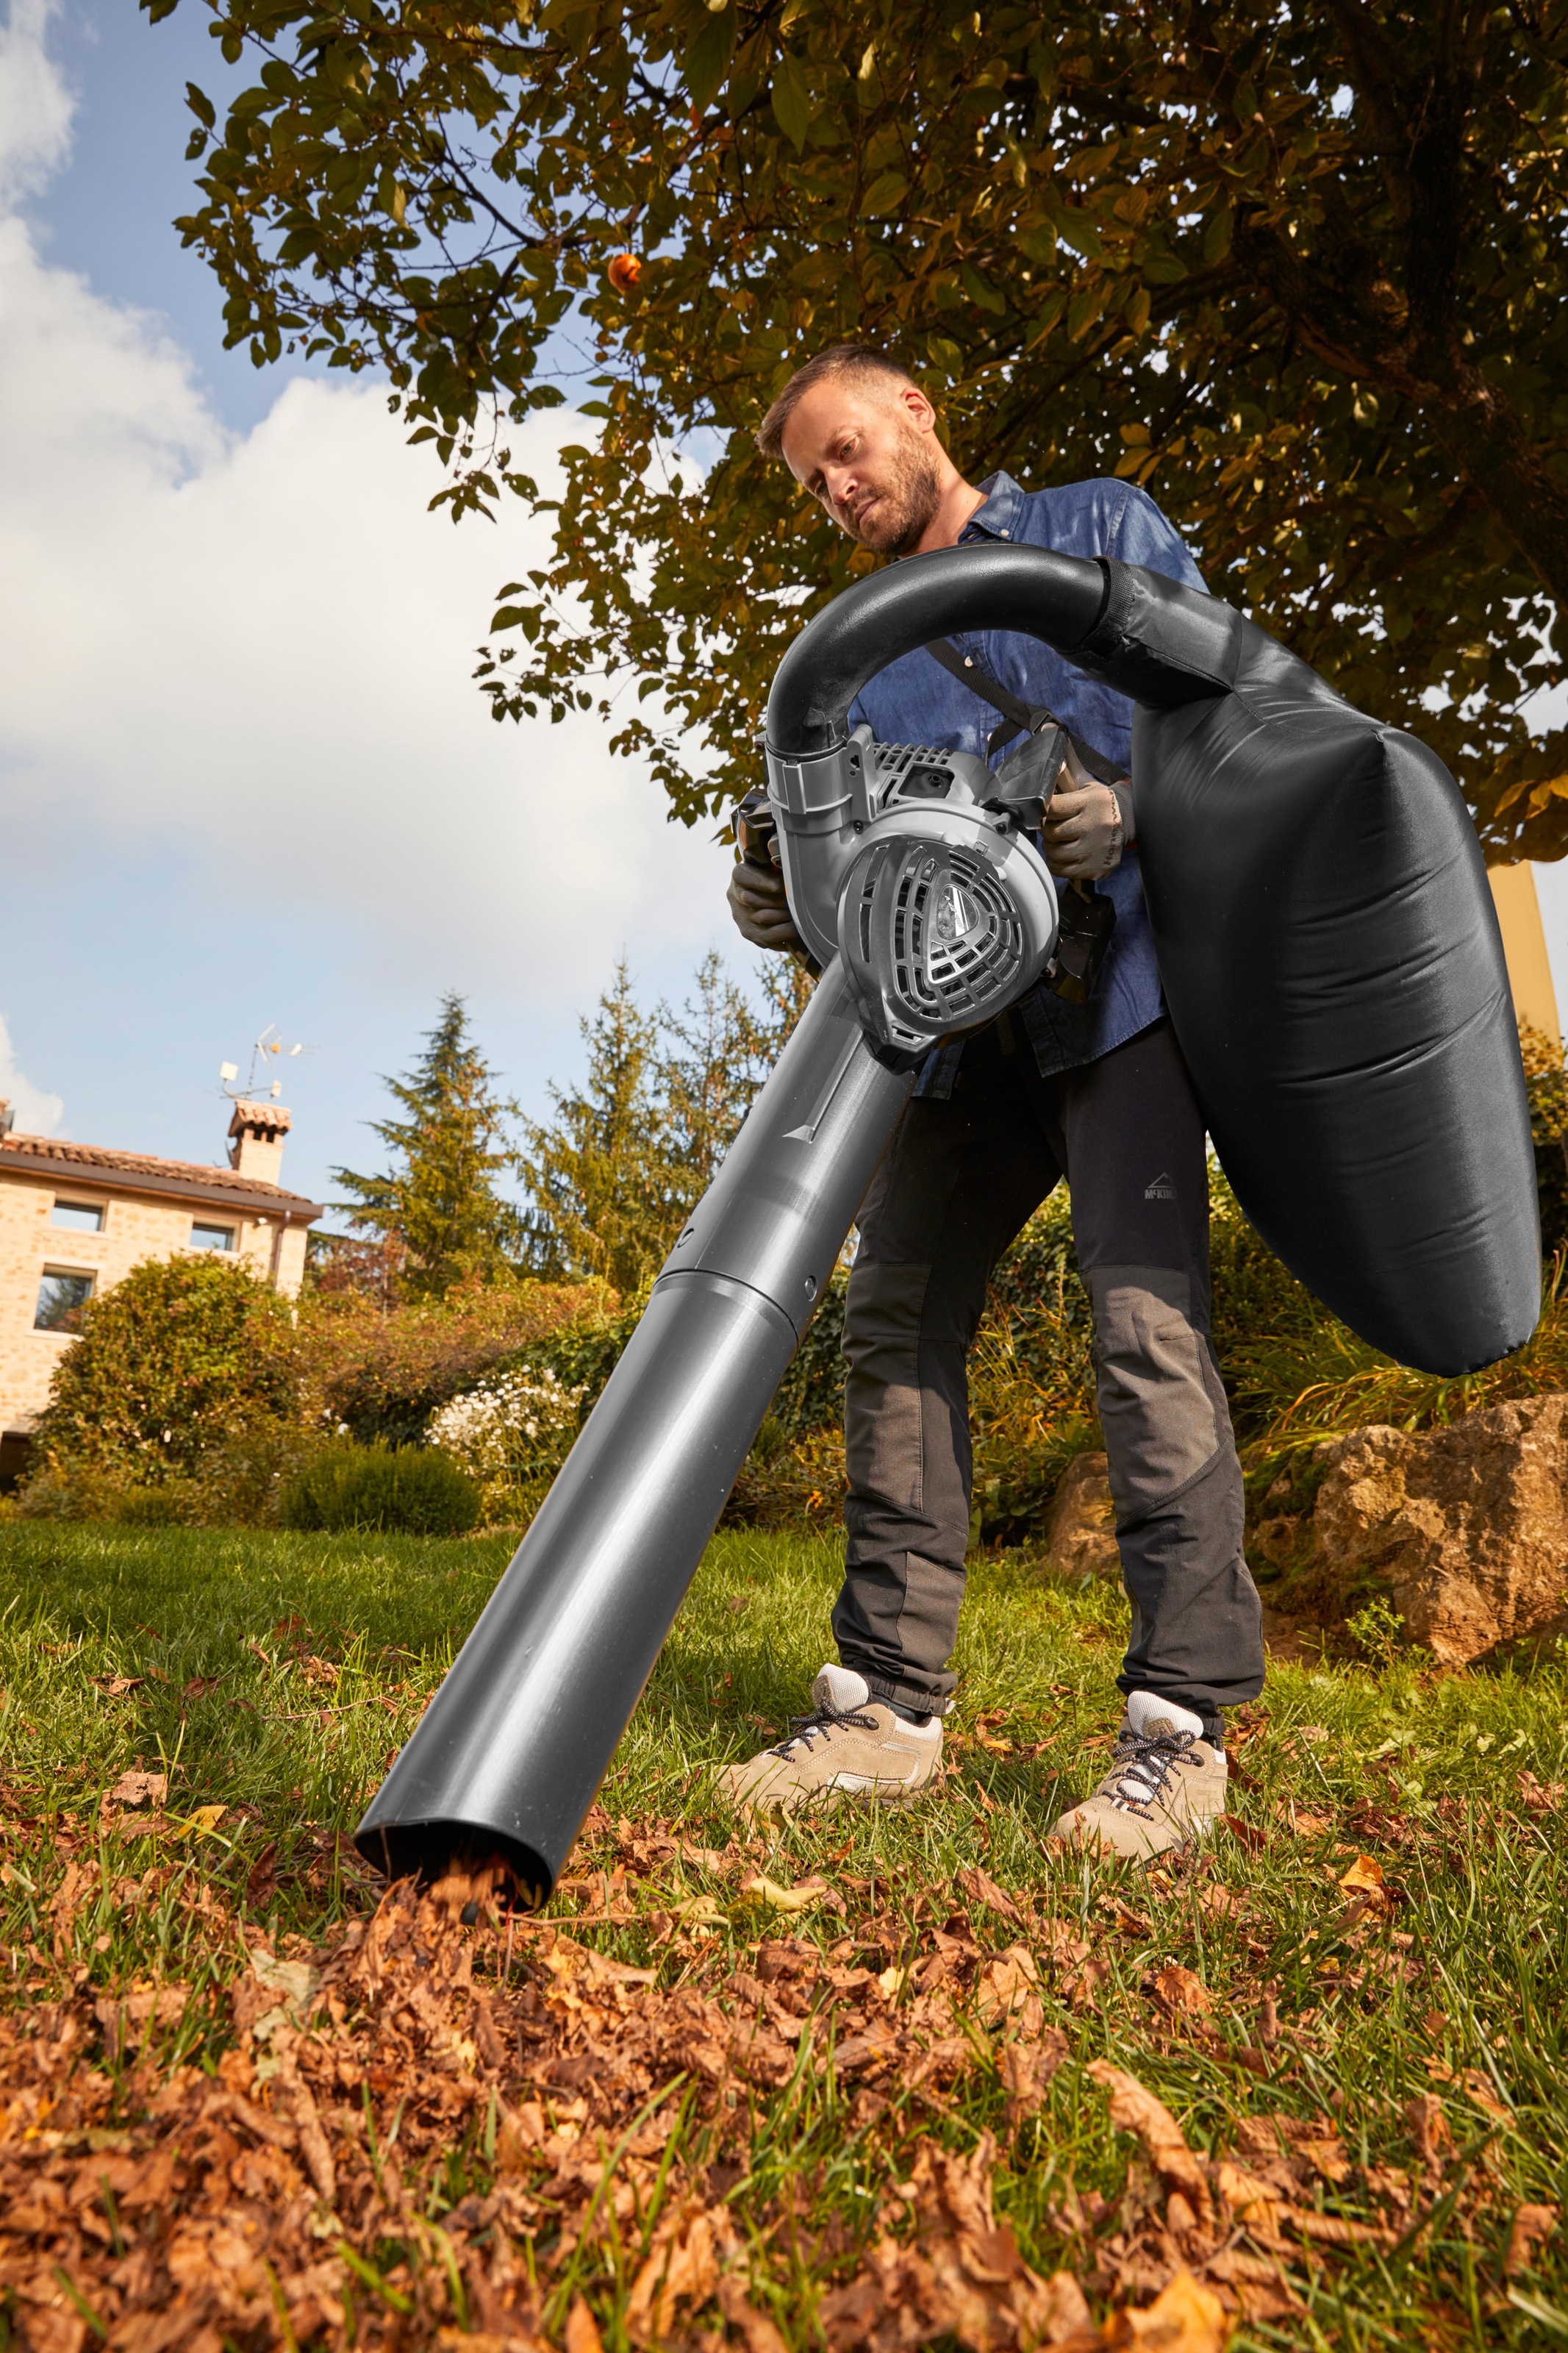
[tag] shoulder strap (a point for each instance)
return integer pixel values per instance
(1019, 718)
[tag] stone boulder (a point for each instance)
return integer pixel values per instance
(1468, 1526)
(1080, 1525)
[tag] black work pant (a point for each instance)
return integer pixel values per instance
(958, 1181)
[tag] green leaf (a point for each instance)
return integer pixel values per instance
(707, 62)
(1217, 236)
(980, 292)
(885, 195)
(201, 106)
(791, 100)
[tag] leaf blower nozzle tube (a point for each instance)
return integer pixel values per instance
(514, 1744)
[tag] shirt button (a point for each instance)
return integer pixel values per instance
(1003, 535)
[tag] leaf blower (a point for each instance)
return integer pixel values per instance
(1335, 976)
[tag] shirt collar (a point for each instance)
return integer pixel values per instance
(999, 517)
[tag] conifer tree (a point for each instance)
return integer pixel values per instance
(598, 1173)
(440, 1204)
(616, 1173)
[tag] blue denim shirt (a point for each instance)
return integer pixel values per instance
(915, 701)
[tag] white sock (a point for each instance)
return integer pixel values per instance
(841, 1689)
(1144, 1708)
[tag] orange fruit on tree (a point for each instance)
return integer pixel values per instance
(625, 271)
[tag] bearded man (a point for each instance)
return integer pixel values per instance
(1094, 1091)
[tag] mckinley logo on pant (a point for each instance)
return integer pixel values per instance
(1159, 1189)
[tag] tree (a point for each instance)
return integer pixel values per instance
(179, 1355)
(1297, 268)
(598, 1174)
(616, 1173)
(441, 1207)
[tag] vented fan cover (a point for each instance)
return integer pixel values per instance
(929, 939)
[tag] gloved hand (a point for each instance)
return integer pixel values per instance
(1083, 829)
(760, 908)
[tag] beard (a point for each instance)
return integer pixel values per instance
(906, 497)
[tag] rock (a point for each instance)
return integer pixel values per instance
(1467, 1526)
(1080, 1525)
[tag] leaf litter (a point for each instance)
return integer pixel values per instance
(445, 2126)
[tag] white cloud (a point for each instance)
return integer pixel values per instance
(253, 652)
(34, 1113)
(34, 107)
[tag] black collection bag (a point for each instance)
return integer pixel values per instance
(1332, 963)
(1327, 941)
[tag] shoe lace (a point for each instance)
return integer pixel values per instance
(805, 1729)
(1142, 1766)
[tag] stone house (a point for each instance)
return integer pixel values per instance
(75, 1217)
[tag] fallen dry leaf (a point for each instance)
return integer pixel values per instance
(1530, 2229)
(205, 1819)
(682, 2268)
(153, 2006)
(1135, 2110)
(1364, 1873)
(1184, 2317)
(1008, 1985)
(1027, 2068)
(981, 1888)
(758, 2331)
(1302, 1822)
(1179, 1991)
(696, 1912)
(134, 1789)
(583, 2330)
(766, 1893)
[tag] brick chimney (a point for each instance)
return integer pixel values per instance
(257, 1130)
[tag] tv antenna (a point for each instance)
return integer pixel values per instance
(269, 1042)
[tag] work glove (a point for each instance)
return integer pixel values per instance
(1085, 828)
(760, 909)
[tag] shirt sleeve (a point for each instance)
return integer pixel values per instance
(1142, 535)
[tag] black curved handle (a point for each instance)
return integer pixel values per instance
(1141, 633)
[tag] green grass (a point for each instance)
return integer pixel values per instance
(272, 1676)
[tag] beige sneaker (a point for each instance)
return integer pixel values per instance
(853, 1747)
(1166, 1788)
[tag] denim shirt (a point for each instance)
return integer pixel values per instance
(915, 701)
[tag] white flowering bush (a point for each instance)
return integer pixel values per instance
(511, 1433)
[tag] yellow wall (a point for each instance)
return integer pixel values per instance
(1525, 945)
(152, 1227)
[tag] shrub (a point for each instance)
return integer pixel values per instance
(402, 1491)
(183, 1354)
(380, 1374)
(511, 1433)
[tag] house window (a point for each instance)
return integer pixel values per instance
(212, 1238)
(80, 1217)
(61, 1298)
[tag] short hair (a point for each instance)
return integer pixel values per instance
(842, 359)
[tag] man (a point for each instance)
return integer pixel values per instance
(1096, 1093)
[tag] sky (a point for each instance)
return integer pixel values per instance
(247, 778)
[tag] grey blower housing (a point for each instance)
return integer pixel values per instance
(906, 863)
(1346, 1017)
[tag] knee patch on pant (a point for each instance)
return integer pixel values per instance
(1161, 1405)
(882, 1423)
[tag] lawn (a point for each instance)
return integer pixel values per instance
(886, 2080)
